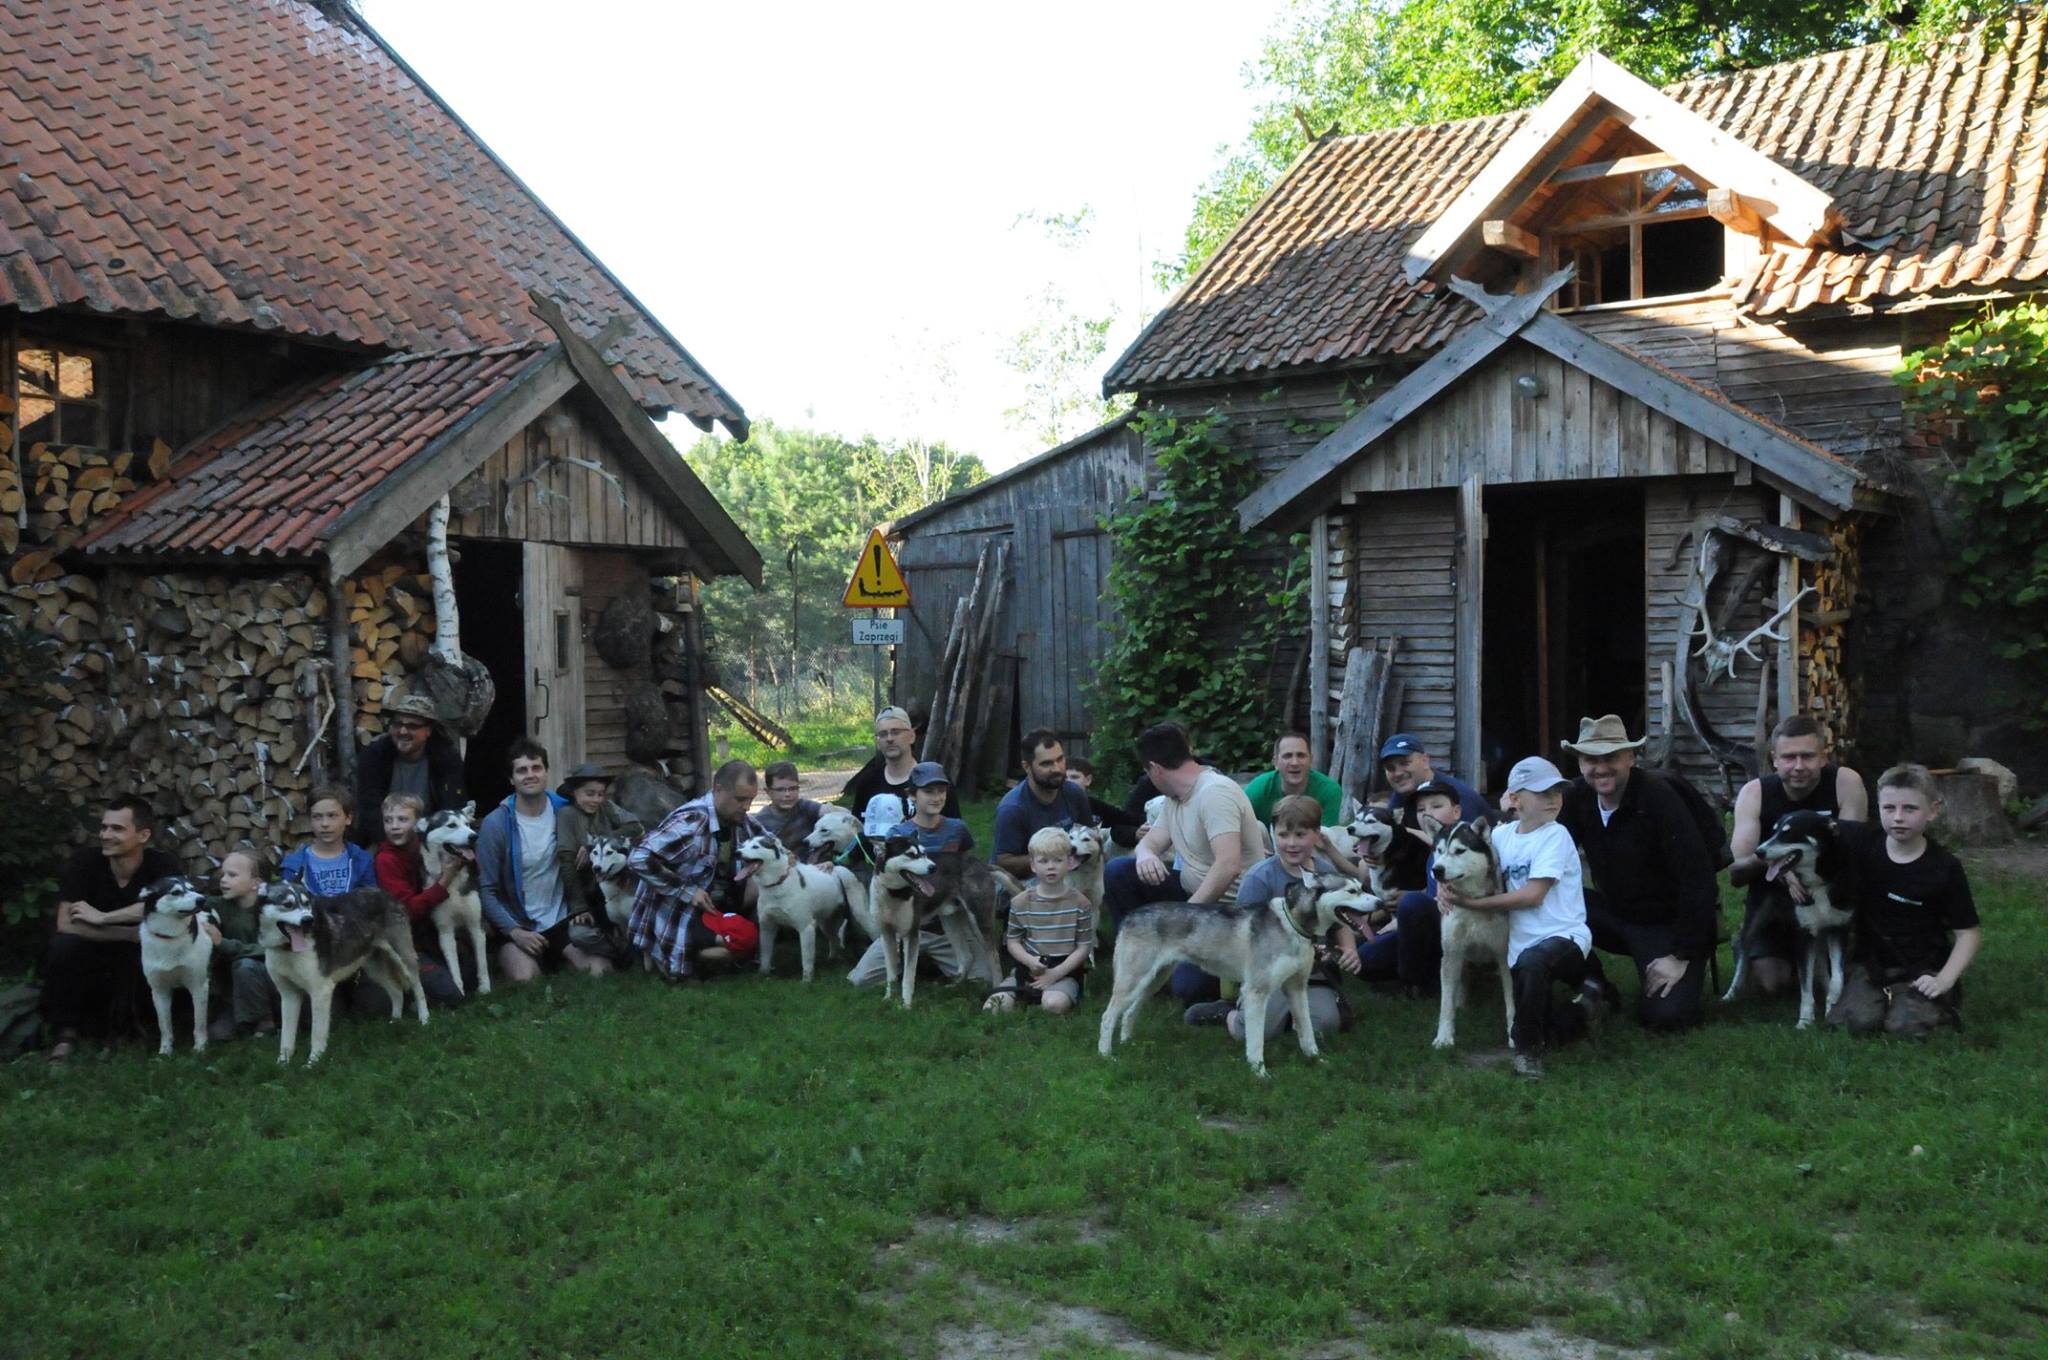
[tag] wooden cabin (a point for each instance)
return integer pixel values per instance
(1053, 628)
(1626, 362)
(259, 313)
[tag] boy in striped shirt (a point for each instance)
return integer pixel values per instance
(1052, 929)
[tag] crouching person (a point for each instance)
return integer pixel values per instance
(687, 916)
(402, 873)
(1297, 831)
(1915, 921)
(519, 875)
(239, 973)
(1051, 932)
(1544, 895)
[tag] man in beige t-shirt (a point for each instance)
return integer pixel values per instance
(1208, 822)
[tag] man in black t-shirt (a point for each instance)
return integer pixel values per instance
(889, 772)
(92, 971)
(1916, 929)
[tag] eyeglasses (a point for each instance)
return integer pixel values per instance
(410, 727)
(786, 788)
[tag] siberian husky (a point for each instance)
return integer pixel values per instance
(176, 952)
(312, 945)
(903, 895)
(453, 833)
(803, 897)
(1091, 848)
(1802, 847)
(1269, 948)
(833, 836)
(1465, 861)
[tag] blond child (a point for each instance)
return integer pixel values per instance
(1051, 932)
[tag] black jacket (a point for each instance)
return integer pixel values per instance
(1648, 863)
(446, 783)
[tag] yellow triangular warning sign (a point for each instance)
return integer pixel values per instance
(876, 583)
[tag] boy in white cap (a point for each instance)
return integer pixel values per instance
(1544, 894)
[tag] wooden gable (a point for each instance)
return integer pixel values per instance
(561, 479)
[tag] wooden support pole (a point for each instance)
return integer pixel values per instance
(1471, 570)
(1790, 698)
(344, 682)
(1319, 642)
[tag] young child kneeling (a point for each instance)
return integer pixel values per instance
(1052, 930)
(1297, 839)
(1915, 920)
(1545, 896)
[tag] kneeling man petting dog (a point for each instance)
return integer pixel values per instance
(1543, 895)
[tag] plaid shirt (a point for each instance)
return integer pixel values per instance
(673, 864)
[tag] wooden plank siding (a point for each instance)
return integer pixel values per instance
(543, 487)
(1401, 583)
(1579, 429)
(1056, 620)
(606, 576)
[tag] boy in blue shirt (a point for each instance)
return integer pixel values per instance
(328, 864)
(929, 825)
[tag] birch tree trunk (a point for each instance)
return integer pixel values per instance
(447, 623)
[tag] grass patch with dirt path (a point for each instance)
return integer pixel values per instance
(756, 1168)
(822, 742)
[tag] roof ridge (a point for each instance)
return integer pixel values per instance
(413, 356)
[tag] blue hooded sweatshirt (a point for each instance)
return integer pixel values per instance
(497, 866)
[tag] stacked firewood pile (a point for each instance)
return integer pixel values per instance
(202, 692)
(67, 486)
(391, 631)
(1822, 625)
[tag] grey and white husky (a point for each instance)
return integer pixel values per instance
(311, 945)
(1267, 949)
(1464, 859)
(176, 952)
(452, 834)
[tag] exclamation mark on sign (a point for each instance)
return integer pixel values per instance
(876, 589)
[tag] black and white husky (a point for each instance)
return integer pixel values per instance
(1465, 861)
(1268, 949)
(176, 952)
(1802, 847)
(904, 893)
(1372, 832)
(311, 945)
(610, 861)
(803, 897)
(452, 834)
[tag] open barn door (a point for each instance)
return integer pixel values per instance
(554, 651)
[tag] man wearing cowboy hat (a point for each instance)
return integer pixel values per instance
(416, 756)
(1652, 894)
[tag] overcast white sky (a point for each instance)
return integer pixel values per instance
(821, 200)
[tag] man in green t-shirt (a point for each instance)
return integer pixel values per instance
(1291, 775)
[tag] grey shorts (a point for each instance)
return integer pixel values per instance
(1068, 987)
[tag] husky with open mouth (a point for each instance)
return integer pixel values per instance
(177, 952)
(311, 945)
(1801, 848)
(1465, 859)
(804, 897)
(446, 835)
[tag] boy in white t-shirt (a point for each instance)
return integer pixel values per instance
(1545, 894)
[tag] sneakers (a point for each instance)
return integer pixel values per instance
(1529, 1065)
(1209, 1012)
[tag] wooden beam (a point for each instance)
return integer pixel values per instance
(1510, 238)
(1790, 700)
(1286, 495)
(1319, 642)
(410, 491)
(688, 498)
(1620, 165)
(1467, 627)
(1734, 212)
(1824, 484)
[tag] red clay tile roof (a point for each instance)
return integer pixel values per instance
(250, 163)
(1936, 167)
(271, 483)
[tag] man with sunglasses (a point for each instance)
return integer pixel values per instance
(415, 755)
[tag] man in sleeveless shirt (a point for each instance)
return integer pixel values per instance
(1804, 778)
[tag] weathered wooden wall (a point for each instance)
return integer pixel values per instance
(544, 486)
(606, 576)
(1057, 620)
(1400, 551)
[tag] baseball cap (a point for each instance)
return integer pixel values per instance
(1534, 775)
(1400, 744)
(927, 772)
(1435, 787)
(893, 714)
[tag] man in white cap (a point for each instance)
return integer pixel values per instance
(1653, 896)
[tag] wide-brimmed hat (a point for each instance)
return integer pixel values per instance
(413, 706)
(1602, 736)
(582, 774)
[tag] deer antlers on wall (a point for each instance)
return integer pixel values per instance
(1720, 652)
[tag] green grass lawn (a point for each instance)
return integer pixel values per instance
(822, 742)
(756, 1168)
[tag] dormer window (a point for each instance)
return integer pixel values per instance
(1634, 234)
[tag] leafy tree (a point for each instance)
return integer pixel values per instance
(1356, 65)
(1058, 354)
(807, 500)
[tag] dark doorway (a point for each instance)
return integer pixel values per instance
(487, 580)
(1564, 629)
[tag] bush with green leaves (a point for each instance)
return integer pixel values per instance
(1987, 385)
(1196, 625)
